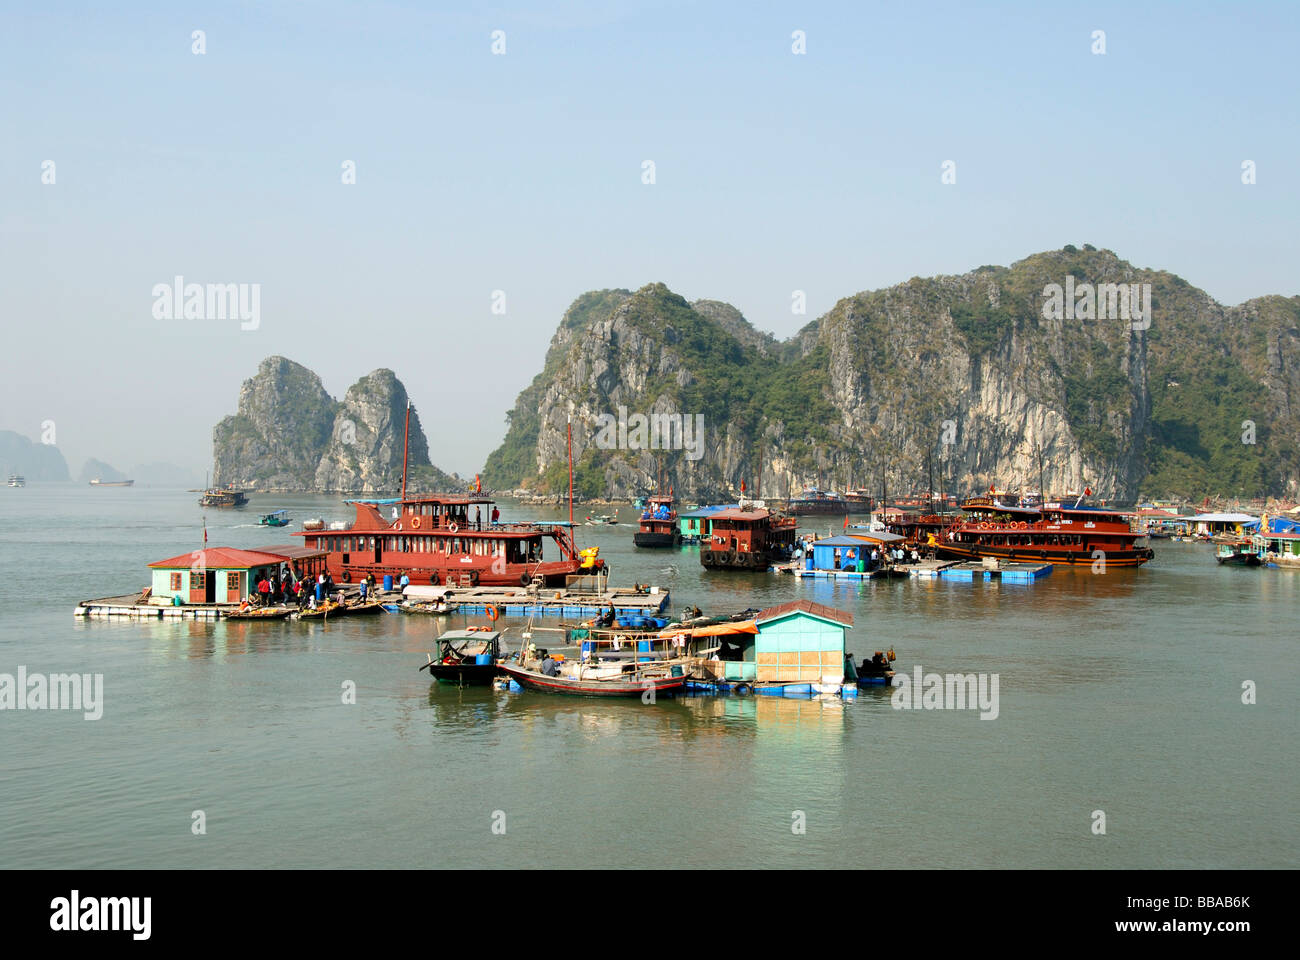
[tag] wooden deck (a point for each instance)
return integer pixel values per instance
(510, 601)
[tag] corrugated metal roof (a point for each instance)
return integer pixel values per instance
(805, 606)
(293, 552)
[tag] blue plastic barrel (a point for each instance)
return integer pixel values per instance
(483, 659)
(388, 581)
(807, 564)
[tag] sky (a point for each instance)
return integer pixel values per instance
(516, 179)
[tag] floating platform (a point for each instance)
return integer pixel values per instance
(510, 601)
(1009, 572)
(805, 690)
(550, 602)
(943, 569)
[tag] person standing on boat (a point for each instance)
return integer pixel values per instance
(263, 590)
(496, 515)
(362, 588)
(405, 581)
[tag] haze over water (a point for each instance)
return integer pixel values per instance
(1119, 693)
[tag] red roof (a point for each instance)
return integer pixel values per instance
(219, 557)
(806, 606)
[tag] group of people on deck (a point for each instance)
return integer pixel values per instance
(891, 556)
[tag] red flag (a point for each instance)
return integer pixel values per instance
(846, 521)
(742, 486)
(478, 484)
(1087, 491)
(992, 489)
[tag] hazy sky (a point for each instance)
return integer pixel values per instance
(522, 172)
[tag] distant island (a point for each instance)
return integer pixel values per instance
(290, 436)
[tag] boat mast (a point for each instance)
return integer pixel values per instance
(406, 446)
(570, 433)
(758, 486)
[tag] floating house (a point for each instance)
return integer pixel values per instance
(696, 525)
(225, 574)
(801, 642)
(1215, 524)
(848, 552)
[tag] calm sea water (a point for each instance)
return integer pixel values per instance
(1119, 693)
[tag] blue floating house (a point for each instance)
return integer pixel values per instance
(848, 552)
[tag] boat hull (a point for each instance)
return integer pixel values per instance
(593, 688)
(736, 559)
(1133, 557)
(656, 539)
(464, 674)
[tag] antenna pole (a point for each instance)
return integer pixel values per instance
(406, 447)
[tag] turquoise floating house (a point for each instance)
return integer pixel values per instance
(801, 642)
(695, 524)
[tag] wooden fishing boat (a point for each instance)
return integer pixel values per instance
(438, 608)
(628, 680)
(1241, 553)
(261, 613)
(467, 658)
(223, 497)
(277, 518)
(658, 524)
(874, 672)
(331, 609)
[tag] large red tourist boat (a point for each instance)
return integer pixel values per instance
(747, 538)
(435, 540)
(1067, 533)
(440, 539)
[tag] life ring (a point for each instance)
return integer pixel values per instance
(492, 612)
(398, 528)
(452, 527)
(415, 523)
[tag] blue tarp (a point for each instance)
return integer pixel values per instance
(1275, 525)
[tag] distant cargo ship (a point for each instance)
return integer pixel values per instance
(17, 481)
(111, 483)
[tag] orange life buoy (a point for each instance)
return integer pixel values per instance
(415, 523)
(492, 612)
(453, 528)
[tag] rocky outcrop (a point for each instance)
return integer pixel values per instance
(99, 470)
(33, 461)
(975, 379)
(290, 436)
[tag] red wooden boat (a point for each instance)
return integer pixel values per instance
(1053, 532)
(445, 538)
(630, 684)
(747, 538)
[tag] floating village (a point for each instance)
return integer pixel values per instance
(439, 555)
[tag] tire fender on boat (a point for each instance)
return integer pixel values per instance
(742, 690)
